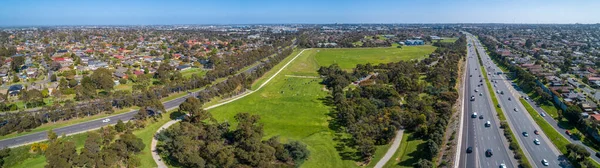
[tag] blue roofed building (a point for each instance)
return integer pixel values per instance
(414, 42)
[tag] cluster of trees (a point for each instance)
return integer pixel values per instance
(373, 113)
(101, 149)
(578, 154)
(200, 141)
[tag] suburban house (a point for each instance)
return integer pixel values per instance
(15, 89)
(183, 67)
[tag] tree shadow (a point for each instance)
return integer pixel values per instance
(176, 115)
(415, 155)
(344, 142)
(565, 124)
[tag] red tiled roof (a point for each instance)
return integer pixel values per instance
(595, 117)
(57, 59)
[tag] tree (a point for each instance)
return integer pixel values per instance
(529, 43)
(120, 127)
(16, 63)
(53, 78)
(133, 143)
(102, 79)
(423, 163)
(61, 154)
(297, 151)
(51, 135)
(193, 107)
(432, 149)
(91, 150)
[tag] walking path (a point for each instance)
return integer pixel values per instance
(154, 142)
(388, 155)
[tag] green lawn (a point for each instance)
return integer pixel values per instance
(347, 58)
(188, 73)
(293, 109)
(408, 153)
(447, 40)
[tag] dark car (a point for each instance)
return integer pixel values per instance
(597, 154)
(488, 153)
(536, 132)
(480, 116)
(469, 149)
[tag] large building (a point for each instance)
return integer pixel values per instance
(414, 42)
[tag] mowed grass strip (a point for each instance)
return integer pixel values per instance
(347, 58)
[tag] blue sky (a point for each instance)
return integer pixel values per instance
(150, 12)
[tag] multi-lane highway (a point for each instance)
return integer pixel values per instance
(518, 119)
(474, 132)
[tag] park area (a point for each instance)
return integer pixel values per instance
(347, 58)
(292, 105)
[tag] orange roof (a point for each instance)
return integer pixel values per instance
(595, 116)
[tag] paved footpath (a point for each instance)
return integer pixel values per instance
(388, 155)
(154, 142)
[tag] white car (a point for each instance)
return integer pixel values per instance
(544, 162)
(516, 110)
(106, 120)
(536, 141)
(476, 90)
(502, 165)
(543, 114)
(480, 94)
(494, 85)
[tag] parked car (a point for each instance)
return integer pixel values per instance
(568, 132)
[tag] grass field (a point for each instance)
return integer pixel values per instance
(408, 153)
(448, 40)
(347, 58)
(292, 107)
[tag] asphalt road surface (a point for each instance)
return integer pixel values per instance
(475, 134)
(519, 119)
(82, 127)
(560, 130)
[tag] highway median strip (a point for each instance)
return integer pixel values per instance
(510, 136)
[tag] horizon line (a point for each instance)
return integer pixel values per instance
(333, 23)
